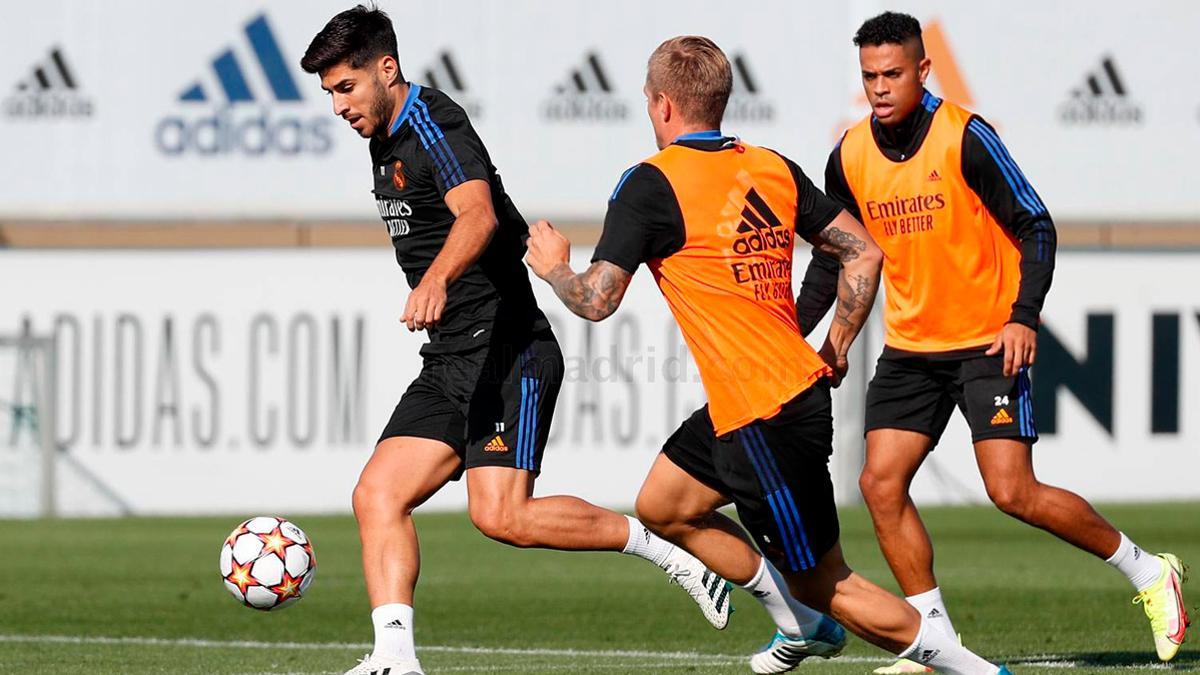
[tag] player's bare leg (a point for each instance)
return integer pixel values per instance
(683, 510)
(865, 609)
(881, 618)
(503, 507)
(401, 474)
(893, 457)
(1007, 469)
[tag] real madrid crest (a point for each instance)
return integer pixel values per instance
(398, 175)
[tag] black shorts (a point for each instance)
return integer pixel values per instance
(918, 392)
(493, 405)
(776, 472)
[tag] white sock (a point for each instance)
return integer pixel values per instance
(941, 652)
(933, 610)
(1141, 568)
(793, 618)
(393, 632)
(645, 544)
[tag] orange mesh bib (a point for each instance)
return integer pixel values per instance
(730, 286)
(950, 271)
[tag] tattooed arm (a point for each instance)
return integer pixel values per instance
(593, 294)
(861, 261)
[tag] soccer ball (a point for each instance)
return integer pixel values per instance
(267, 563)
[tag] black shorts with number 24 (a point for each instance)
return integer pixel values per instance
(919, 392)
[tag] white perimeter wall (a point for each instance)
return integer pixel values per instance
(248, 381)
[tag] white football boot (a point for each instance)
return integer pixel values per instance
(784, 653)
(707, 588)
(371, 665)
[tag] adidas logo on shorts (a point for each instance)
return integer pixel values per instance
(1001, 417)
(495, 445)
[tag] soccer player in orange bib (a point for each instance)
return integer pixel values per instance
(715, 220)
(968, 257)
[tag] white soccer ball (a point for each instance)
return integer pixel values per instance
(267, 563)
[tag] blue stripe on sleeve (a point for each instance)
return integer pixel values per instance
(435, 142)
(621, 183)
(1012, 173)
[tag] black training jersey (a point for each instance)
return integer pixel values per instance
(431, 149)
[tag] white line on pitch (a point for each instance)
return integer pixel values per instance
(693, 657)
(681, 658)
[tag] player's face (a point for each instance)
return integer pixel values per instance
(894, 79)
(359, 97)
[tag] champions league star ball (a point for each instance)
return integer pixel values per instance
(267, 563)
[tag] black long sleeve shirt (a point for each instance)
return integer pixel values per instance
(991, 173)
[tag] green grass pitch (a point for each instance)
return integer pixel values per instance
(143, 596)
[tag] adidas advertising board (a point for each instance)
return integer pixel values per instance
(220, 122)
(244, 119)
(268, 366)
(748, 103)
(1103, 99)
(587, 94)
(50, 91)
(444, 73)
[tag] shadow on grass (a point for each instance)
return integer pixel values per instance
(1185, 661)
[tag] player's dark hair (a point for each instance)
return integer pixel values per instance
(354, 36)
(891, 28)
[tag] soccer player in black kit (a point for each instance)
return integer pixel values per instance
(492, 368)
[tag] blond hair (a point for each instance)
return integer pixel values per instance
(693, 71)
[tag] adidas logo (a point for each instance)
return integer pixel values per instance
(761, 228)
(746, 103)
(933, 614)
(254, 71)
(232, 77)
(445, 75)
(1001, 417)
(395, 623)
(495, 445)
(1103, 99)
(928, 654)
(51, 90)
(934, 175)
(586, 95)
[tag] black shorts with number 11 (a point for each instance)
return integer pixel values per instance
(493, 405)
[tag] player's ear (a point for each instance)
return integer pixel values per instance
(389, 70)
(923, 69)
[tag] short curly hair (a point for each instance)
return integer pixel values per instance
(890, 28)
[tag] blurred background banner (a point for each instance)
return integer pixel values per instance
(244, 322)
(130, 110)
(236, 381)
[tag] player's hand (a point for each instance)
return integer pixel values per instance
(425, 304)
(839, 364)
(1019, 344)
(548, 248)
